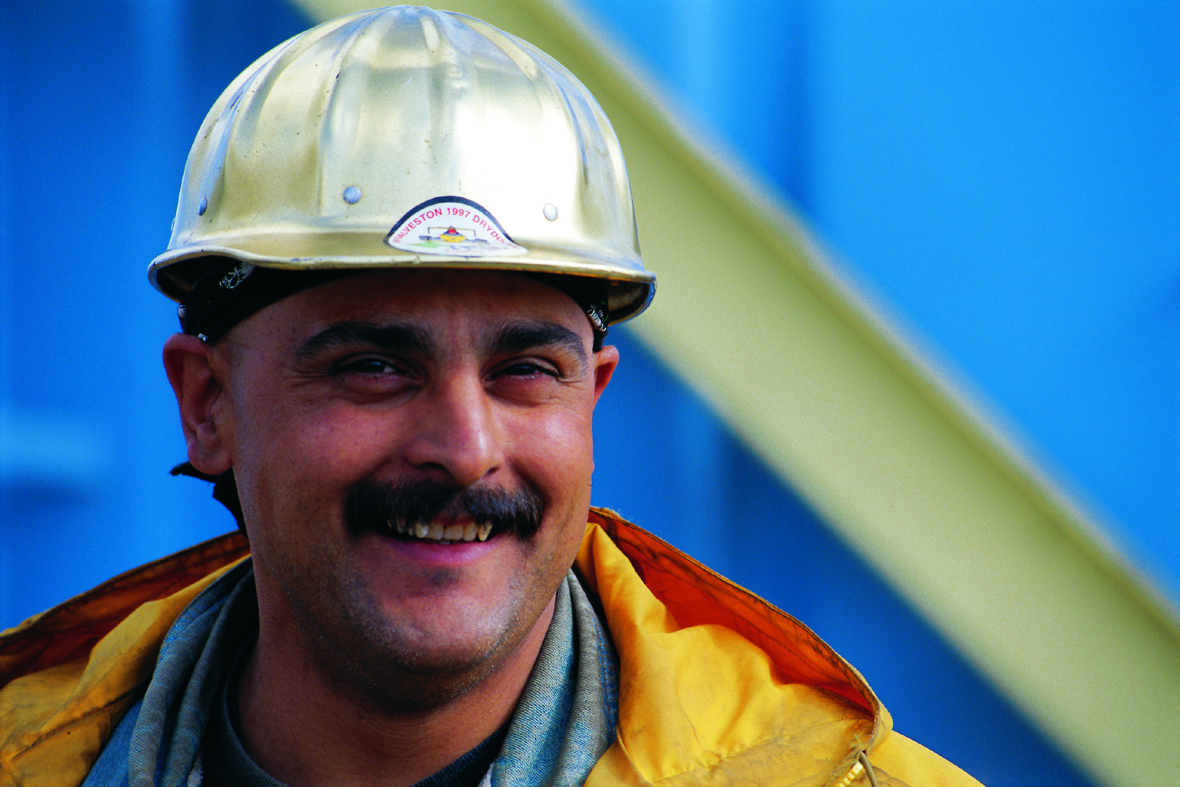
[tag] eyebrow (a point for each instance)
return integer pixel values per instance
(393, 338)
(522, 336)
(412, 340)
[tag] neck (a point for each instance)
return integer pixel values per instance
(305, 728)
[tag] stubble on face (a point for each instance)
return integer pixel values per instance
(370, 508)
(383, 670)
(384, 662)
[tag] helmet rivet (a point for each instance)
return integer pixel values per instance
(203, 206)
(352, 195)
(550, 211)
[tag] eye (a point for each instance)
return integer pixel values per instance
(527, 369)
(370, 366)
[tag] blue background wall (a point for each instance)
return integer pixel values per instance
(1005, 175)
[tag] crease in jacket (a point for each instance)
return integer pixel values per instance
(716, 686)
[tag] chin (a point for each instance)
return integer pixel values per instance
(407, 663)
(398, 676)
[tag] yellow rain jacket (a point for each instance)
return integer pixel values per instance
(716, 686)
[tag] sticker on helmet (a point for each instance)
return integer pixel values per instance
(451, 226)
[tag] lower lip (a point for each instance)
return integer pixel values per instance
(455, 554)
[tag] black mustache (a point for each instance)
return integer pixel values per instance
(371, 506)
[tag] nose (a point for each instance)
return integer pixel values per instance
(455, 435)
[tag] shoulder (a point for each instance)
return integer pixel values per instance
(67, 676)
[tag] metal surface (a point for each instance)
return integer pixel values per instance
(330, 142)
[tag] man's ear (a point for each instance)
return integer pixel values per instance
(187, 360)
(605, 361)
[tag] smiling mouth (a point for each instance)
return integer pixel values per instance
(434, 513)
(438, 533)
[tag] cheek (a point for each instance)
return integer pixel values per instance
(295, 465)
(326, 442)
(556, 454)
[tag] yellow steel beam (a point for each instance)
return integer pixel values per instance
(751, 314)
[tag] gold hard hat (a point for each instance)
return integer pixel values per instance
(408, 137)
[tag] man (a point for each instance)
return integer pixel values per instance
(400, 240)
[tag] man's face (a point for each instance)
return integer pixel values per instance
(432, 383)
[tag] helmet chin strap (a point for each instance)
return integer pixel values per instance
(225, 489)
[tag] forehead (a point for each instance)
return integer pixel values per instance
(440, 300)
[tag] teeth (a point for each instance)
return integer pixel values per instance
(436, 532)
